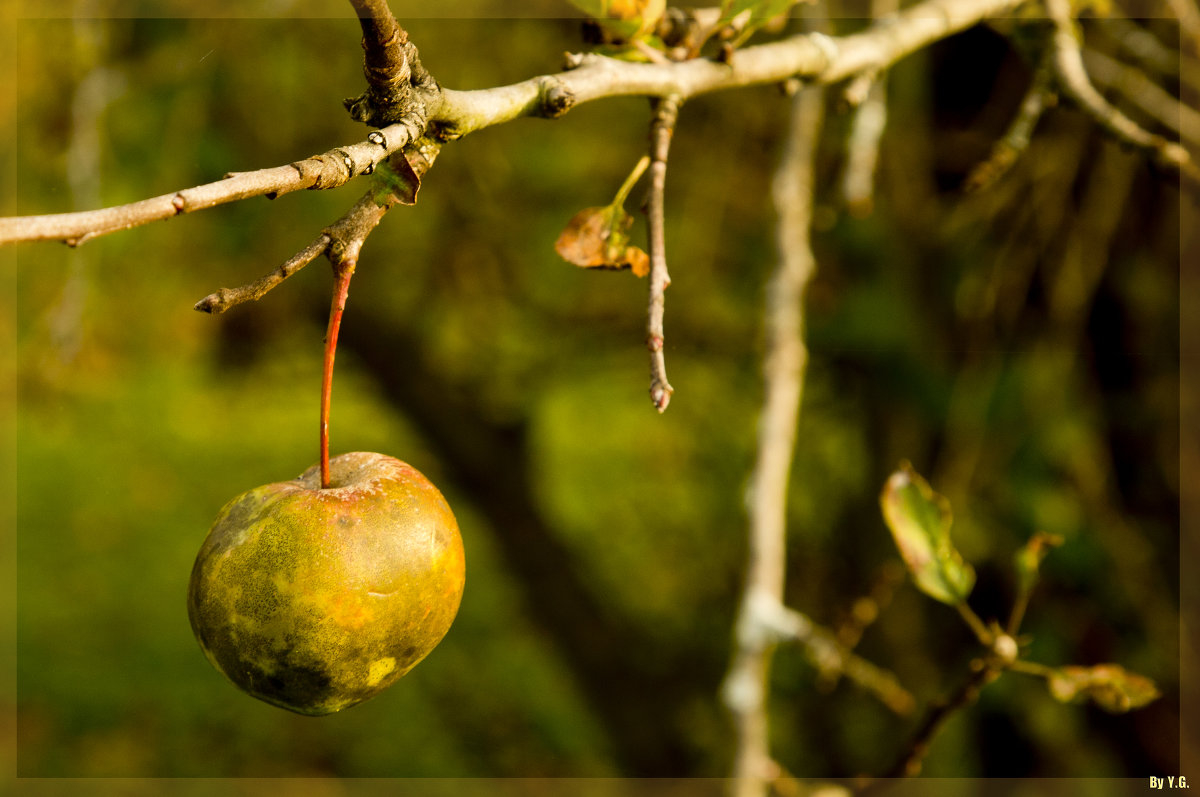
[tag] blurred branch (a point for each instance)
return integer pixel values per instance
(909, 764)
(866, 610)
(1189, 21)
(867, 93)
(1073, 78)
(1016, 138)
(745, 687)
(665, 115)
(862, 148)
(1137, 43)
(1147, 95)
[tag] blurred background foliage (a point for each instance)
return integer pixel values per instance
(1020, 346)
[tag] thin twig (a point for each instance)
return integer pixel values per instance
(1016, 138)
(779, 623)
(225, 298)
(868, 95)
(978, 627)
(665, 115)
(1073, 78)
(866, 609)
(862, 148)
(909, 764)
(347, 233)
(745, 687)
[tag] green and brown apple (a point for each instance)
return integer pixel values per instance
(315, 599)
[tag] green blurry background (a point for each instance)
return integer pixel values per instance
(1019, 346)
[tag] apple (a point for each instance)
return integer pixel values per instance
(315, 599)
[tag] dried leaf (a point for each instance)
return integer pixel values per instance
(919, 520)
(639, 261)
(396, 181)
(1109, 686)
(597, 238)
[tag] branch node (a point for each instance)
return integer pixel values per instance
(828, 47)
(179, 203)
(556, 98)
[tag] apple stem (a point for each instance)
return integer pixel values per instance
(342, 271)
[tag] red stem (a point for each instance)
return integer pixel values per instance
(343, 272)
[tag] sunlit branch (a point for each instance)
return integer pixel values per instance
(341, 240)
(385, 62)
(665, 115)
(328, 170)
(814, 57)
(221, 300)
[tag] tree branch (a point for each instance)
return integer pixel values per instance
(1147, 95)
(909, 764)
(1073, 78)
(815, 57)
(225, 298)
(665, 115)
(398, 87)
(745, 687)
(1016, 138)
(328, 170)
(344, 238)
(385, 62)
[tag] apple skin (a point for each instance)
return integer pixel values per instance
(318, 599)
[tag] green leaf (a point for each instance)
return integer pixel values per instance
(1028, 560)
(920, 520)
(1110, 686)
